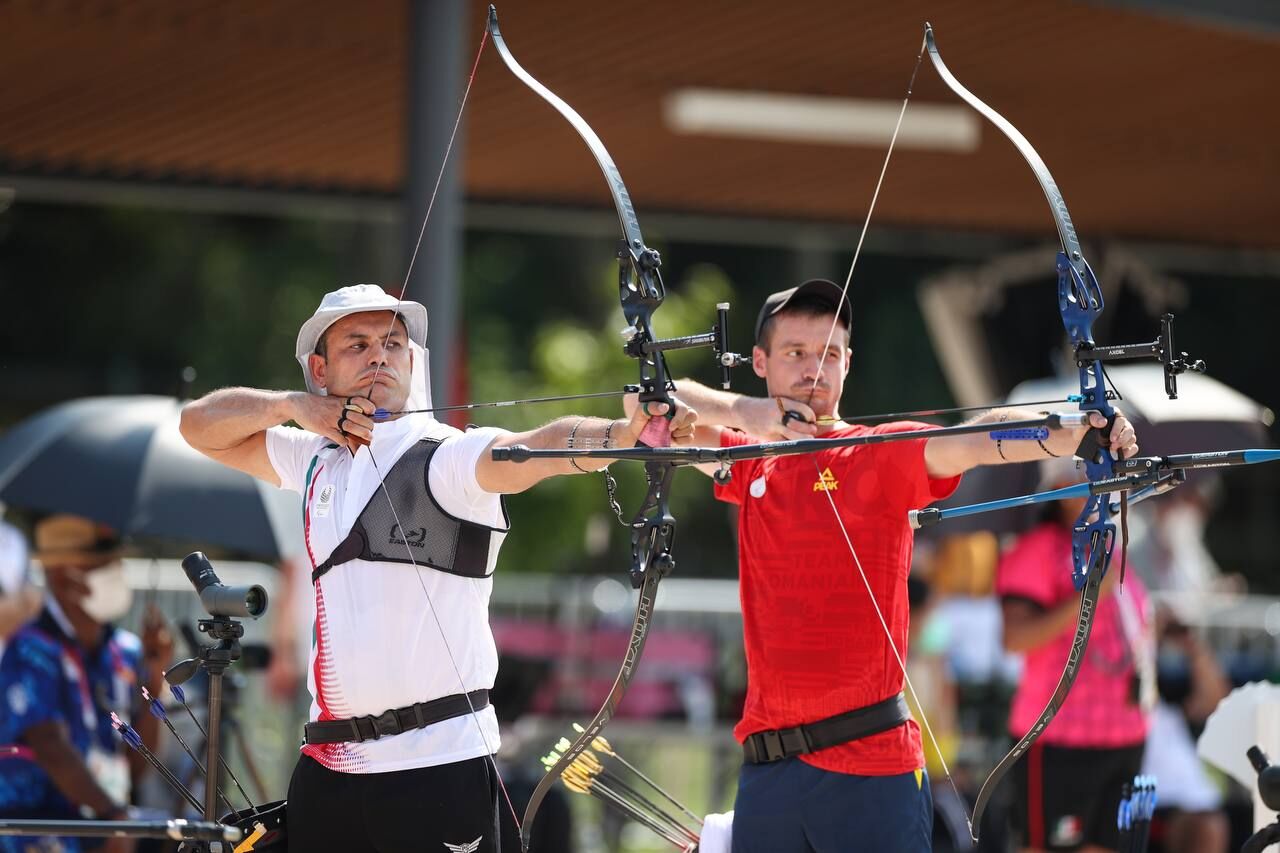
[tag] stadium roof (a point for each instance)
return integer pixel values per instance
(1155, 126)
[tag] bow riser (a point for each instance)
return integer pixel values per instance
(654, 527)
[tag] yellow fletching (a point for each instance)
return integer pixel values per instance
(573, 785)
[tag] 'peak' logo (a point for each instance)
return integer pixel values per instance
(826, 482)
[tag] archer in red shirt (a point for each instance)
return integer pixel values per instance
(824, 549)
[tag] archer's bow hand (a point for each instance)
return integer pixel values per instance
(347, 421)
(1120, 438)
(680, 425)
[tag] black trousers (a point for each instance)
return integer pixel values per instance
(1066, 797)
(448, 807)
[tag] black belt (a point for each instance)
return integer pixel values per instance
(764, 747)
(395, 721)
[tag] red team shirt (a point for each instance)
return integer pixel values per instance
(814, 645)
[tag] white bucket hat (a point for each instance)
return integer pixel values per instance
(353, 300)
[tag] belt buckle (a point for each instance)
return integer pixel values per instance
(386, 723)
(772, 743)
(799, 741)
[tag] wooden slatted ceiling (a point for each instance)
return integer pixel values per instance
(1154, 127)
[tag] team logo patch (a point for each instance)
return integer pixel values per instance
(469, 847)
(324, 503)
(757, 487)
(827, 482)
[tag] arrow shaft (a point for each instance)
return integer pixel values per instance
(701, 455)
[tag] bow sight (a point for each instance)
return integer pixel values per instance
(638, 347)
(1161, 349)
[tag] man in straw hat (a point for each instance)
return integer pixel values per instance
(403, 519)
(61, 678)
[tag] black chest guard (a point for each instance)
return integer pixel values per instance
(423, 529)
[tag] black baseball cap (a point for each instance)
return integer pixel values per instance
(819, 289)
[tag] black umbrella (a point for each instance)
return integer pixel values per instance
(122, 461)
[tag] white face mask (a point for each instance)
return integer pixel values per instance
(109, 593)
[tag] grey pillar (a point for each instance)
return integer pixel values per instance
(438, 39)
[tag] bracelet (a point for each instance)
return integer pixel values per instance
(608, 435)
(999, 448)
(1047, 450)
(572, 434)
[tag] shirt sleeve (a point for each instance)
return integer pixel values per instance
(904, 475)
(1033, 568)
(30, 677)
(290, 451)
(742, 473)
(452, 478)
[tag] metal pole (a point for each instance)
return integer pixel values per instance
(438, 33)
(211, 746)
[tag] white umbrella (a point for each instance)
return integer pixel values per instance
(1208, 415)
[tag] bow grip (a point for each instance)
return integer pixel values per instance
(655, 432)
(1096, 439)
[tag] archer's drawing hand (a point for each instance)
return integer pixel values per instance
(346, 421)
(775, 418)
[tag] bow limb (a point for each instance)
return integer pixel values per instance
(640, 286)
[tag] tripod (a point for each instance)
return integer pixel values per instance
(233, 738)
(1269, 789)
(214, 660)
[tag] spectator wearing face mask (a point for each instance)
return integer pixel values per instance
(61, 677)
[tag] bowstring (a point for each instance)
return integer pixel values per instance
(822, 358)
(404, 287)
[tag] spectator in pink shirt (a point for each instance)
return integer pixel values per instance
(1068, 785)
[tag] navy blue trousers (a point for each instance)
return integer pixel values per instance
(791, 807)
